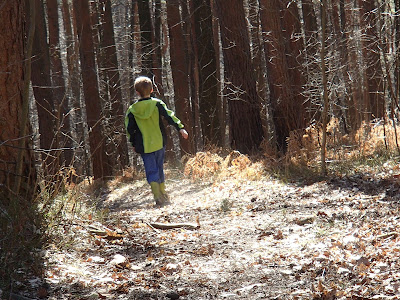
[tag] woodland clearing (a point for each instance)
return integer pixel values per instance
(247, 237)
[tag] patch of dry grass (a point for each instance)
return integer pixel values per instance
(372, 145)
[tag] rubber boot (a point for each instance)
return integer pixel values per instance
(155, 188)
(164, 194)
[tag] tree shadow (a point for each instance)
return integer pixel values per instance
(21, 244)
(388, 189)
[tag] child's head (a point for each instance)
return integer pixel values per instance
(143, 86)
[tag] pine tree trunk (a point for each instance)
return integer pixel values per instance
(278, 74)
(193, 70)
(294, 56)
(209, 101)
(74, 86)
(16, 158)
(179, 72)
(146, 44)
(373, 67)
(91, 91)
(355, 103)
(244, 109)
(111, 69)
(41, 82)
(61, 99)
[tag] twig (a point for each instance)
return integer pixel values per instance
(154, 229)
(174, 225)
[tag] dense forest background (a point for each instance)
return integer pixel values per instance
(302, 81)
(250, 75)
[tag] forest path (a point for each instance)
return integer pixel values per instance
(257, 240)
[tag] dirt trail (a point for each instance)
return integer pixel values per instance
(257, 240)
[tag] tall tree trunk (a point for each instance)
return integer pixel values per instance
(355, 103)
(157, 53)
(209, 101)
(244, 109)
(193, 69)
(310, 56)
(146, 60)
(339, 28)
(260, 67)
(372, 58)
(74, 85)
(294, 50)
(397, 47)
(325, 87)
(17, 172)
(111, 69)
(91, 91)
(41, 82)
(221, 103)
(179, 72)
(278, 74)
(61, 100)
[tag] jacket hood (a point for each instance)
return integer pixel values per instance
(143, 109)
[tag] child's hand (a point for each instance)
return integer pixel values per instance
(184, 133)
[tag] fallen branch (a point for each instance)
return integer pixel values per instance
(174, 225)
(387, 235)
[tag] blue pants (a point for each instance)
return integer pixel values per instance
(153, 165)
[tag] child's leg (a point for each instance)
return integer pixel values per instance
(160, 163)
(151, 167)
(152, 174)
(160, 155)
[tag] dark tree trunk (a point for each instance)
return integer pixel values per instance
(146, 44)
(397, 47)
(244, 109)
(209, 101)
(74, 84)
(278, 73)
(41, 82)
(157, 53)
(294, 50)
(339, 29)
(371, 52)
(90, 89)
(179, 72)
(110, 68)
(260, 68)
(193, 69)
(15, 134)
(356, 95)
(221, 98)
(59, 91)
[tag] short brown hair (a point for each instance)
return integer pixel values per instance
(143, 85)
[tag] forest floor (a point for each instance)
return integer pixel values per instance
(235, 238)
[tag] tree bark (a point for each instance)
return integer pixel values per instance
(91, 91)
(74, 85)
(17, 172)
(42, 90)
(146, 41)
(373, 83)
(355, 103)
(58, 85)
(110, 67)
(244, 109)
(294, 56)
(179, 73)
(209, 101)
(278, 73)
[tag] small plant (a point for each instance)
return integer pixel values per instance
(226, 205)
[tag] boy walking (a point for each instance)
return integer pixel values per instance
(147, 135)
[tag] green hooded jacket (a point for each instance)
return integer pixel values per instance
(144, 126)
